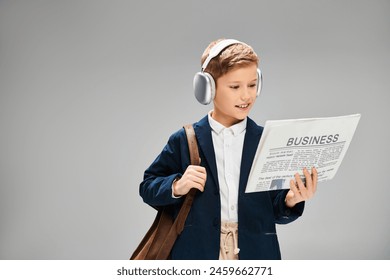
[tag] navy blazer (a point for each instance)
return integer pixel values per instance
(257, 212)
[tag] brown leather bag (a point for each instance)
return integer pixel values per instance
(160, 238)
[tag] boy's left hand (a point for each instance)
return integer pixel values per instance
(299, 191)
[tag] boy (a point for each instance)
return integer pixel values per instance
(224, 221)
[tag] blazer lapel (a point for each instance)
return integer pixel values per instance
(251, 141)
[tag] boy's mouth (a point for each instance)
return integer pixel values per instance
(242, 106)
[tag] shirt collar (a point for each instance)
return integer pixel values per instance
(218, 127)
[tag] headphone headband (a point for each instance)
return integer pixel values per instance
(215, 50)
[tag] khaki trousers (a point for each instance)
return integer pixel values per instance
(229, 241)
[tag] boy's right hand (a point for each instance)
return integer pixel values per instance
(194, 177)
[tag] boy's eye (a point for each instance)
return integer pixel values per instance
(252, 85)
(234, 87)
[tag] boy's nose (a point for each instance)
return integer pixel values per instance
(245, 94)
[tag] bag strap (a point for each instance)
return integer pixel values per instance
(195, 160)
(178, 224)
(192, 144)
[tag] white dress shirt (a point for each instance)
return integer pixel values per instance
(228, 144)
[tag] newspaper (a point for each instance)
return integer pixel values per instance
(287, 146)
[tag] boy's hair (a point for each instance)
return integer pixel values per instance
(233, 56)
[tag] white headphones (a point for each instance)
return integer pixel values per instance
(204, 84)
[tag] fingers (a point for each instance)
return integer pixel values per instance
(295, 190)
(300, 186)
(311, 181)
(293, 196)
(194, 177)
(304, 191)
(196, 171)
(197, 176)
(314, 175)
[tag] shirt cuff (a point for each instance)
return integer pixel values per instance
(173, 196)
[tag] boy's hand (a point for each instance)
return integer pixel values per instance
(299, 191)
(194, 177)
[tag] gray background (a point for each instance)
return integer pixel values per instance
(91, 90)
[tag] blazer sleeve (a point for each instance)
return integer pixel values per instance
(284, 214)
(156, 187)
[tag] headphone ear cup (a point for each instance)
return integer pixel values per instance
(204, 87)
(259, 82)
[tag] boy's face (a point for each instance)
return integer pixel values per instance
(235, 95)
